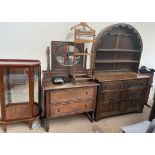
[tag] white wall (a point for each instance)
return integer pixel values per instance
(29, 40)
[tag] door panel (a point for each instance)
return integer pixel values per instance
(135, 99)
(109, 103)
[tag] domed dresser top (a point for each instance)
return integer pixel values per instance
(118, 48)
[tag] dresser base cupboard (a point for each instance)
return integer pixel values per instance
(121, 93)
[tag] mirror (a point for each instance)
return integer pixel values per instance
(64, 55)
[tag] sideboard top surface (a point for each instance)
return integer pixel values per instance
(49, 85)
(112, 76)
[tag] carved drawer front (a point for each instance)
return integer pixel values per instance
(71, 94)
(124, 84)
(72, 107)
(109, 96)
(137, 83)
(135, 93)
(114, 85)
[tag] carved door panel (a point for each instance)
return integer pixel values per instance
(135, 99)
(123, 101)
(109, 103)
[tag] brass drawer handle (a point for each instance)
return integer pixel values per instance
(58, 110)
(85, 106)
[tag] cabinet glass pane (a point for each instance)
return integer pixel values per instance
(36, 80)
(16, 84)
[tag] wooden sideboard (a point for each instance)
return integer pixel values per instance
(122, 89)
(121, 93)
(68, 99)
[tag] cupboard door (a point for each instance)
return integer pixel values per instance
(135, 99)
(109, 103)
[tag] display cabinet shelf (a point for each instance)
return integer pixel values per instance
(116, 61)
(121, 34)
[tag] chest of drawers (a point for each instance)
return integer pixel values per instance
(69, 99)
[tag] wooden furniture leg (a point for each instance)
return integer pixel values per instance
(4, 127)
(90, 116)
(30, 124)
(46, 125)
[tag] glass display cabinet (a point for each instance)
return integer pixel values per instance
(20, 87)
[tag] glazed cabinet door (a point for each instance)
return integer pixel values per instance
(16, 93)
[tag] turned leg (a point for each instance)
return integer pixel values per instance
(4, 127)
(30, 124)
(46, 125)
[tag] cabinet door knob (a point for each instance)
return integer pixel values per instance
(58, 110)
(86, 93)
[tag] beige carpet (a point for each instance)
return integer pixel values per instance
(80, 124)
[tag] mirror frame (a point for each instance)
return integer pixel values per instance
(55, 65)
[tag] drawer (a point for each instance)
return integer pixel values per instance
(71, 94)
(124, 84)
(110, 96)
(136, 93)
(138, 83)
(114, 85)
(70, 108)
